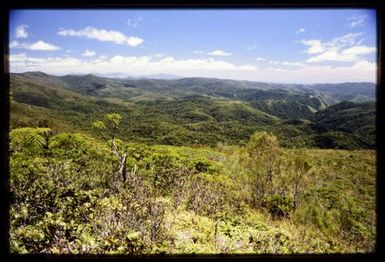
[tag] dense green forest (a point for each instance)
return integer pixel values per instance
(190, 166)
(199, 110)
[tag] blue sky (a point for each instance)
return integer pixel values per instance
(270, 45)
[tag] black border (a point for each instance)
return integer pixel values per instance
(7, 5)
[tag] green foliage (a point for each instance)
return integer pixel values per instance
(196, 111)
(169, 171)
(187, 200)
(31, 140)
(99, 125)
(203, 165)
(113, 120)
(236, 188)
(278, 206)
(263, 160)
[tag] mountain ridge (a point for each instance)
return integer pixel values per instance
(180, 77)
(198, 110)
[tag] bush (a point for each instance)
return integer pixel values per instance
(278, 206)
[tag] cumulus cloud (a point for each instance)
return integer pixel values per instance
(103, 35)
(346, 55)
(89, 53)
(301, 30)
(346, 48)
(219, 53)
(206, 67)
(21, 31)
(359, 50)
(37, 46)
(330, 56)
(315, 46)
(260, 58)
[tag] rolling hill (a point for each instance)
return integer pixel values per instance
(200, 110)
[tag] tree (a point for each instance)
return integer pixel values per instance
(300, 171)
(108, 131)
(264, 159)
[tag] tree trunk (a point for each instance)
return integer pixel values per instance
(122, 169)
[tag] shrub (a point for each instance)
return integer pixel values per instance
(278, 206)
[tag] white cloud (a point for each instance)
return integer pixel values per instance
(168, 59)
(315, 46)
(103, 35)
(16, 44)
(360, 70)
(134, 22)
(359, 50)
(89, 53)
(285, 63)
(292, 63)
(301, 30)
(37, 46)
(134, 41)
(260, 58)
(356, 21)
(347, 55)
(219, 53)
(21, 31)
(198, 52)
(43, 46)
(315, 49)
(345, 40)
(330, 56)
(346, 48)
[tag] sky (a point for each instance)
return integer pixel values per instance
(268, 45)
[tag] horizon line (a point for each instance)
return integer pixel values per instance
(186, 77)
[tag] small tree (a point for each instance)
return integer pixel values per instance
(300, 170)
(264, 159)
(108, 131)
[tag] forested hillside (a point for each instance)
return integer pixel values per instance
(190, 166)
(196, 110)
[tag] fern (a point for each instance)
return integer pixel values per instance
(27, 138)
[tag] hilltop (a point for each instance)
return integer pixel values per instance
(203, 111)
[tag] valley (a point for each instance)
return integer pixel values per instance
(202, 111)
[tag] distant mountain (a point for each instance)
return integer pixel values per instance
(355, 118)
(159, 76)
(115, 75)
(348, 91)
(124, 75)
(218, 88)
(201, 110)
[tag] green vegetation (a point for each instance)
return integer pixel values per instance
(142, 174)
(195, 110)
(255, 199)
